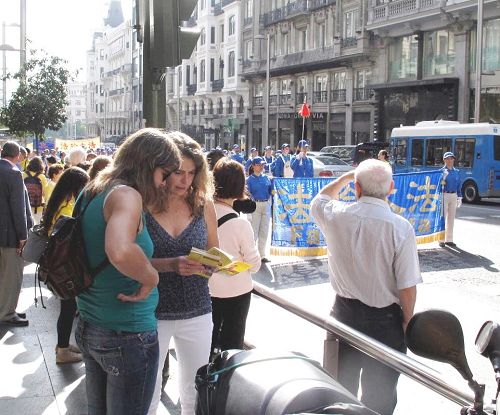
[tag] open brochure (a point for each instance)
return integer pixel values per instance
(216, 260)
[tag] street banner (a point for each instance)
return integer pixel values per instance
(416, 196)
(87, 143)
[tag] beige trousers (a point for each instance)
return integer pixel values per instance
(450, 209)
(11, 280)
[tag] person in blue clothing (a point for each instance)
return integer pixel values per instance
(268, 157)
(302, 165)
(282, 164)
(237, 154)
(452, 197)
(253, 153)
(260, 188)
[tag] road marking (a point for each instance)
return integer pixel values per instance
(481, 208)
(470, 217)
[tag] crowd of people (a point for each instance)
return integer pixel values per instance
(152, 201)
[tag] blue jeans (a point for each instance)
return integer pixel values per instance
(378, 381)
(120, 368)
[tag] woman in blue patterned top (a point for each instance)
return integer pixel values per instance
(184, 218)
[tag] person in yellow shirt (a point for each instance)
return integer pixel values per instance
(62, 203)
(54, 174)
(36, 184)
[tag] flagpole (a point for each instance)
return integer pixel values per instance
(303, 120)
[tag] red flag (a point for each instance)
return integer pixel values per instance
(305, 111)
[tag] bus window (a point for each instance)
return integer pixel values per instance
(435, 149)
(400, 152)
(496, 144)
(464, 151)
(417, 152)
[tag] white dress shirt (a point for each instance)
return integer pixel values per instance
(372, 252)
(236, 238)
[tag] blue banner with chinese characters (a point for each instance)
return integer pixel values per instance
(416, 196)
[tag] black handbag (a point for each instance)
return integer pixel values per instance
(35, 244)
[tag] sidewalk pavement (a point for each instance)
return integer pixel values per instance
(32, 383)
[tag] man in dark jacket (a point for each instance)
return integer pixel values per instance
(15, 220)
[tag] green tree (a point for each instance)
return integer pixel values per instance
(40, 100)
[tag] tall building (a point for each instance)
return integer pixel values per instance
(114, 96)
(206, 95)
(76, 110)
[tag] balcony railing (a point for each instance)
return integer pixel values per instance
(317, 4)
(320, 96)
(363, 94)
(381, 10)
(217, 85)
(114, 92)
(191, 89)
(349, 42)
(337, 95)
(257, 101)
(226, 2)
(217, 9)
(273, 99)
(299, 97)
(285, 98)
(290, 10)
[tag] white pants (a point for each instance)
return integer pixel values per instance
(450, 209)
(192, 339)
(261, 219)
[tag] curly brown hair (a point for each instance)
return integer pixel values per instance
(202, 188)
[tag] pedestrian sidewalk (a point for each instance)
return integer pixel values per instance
(32, 383)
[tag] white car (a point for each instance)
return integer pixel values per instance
(331, 166)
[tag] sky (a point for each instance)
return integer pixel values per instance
(63, 28)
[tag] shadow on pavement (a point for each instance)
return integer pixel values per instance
(440, 259)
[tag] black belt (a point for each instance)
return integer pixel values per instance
(263, 200)
(449, 192)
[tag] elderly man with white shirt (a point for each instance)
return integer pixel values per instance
(374, 269)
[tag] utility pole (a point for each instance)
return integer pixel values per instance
(4, 69)
(479, 61)
(265, 137)
(22, 54)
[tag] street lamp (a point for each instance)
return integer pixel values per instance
(5, 48)
(265, 124)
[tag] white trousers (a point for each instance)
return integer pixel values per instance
(261, 220)
(192, 338)
(450, 209)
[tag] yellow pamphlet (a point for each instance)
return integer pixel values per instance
(216, 260)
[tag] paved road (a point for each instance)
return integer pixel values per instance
(465, 281)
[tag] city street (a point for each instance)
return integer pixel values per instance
(465, 281)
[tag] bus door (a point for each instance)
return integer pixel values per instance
(465, 150)
(496, 164)
(416, 154)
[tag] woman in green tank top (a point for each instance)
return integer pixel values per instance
(117, 328)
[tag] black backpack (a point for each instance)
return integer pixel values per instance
(35, 191)
(64, 265)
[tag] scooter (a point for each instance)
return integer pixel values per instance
(438, 335)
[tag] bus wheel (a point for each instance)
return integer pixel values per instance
(470, 193)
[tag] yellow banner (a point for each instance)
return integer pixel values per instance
(64, 145)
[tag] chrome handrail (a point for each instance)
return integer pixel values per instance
(373, 348)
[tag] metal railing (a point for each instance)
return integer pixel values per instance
(191, 89)
(349, 42)
(257, 101)
(285, 98)
(373, 348)
(299, 97)
(384, 10)
(273, 99)
(363, 94)
(320, 96)
(337, 95)
(217, 85)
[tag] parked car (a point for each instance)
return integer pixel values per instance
(336, 166)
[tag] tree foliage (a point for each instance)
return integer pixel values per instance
(40, 100)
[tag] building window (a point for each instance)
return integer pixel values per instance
(232, 25)
(439, 53)
(202, 4)
(249, 49)
(320, 88)
(491, 54)
(302, 35)
(221, 31)
(285, 44)
(320, 35)
(230, 106)
(403, 52)
(212, 35)
(231, 67)
(363, 77)
(351, 23)
(202, 70)
(241, 105)
(248, 9)
(179, 75)
(220, 108)
(203, 37)
(212, 69)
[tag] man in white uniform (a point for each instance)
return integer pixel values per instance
(374, 269)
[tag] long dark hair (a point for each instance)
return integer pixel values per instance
(71, 183)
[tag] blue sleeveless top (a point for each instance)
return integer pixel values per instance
(181, 297)
(98, 305)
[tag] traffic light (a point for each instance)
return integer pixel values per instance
(166, 41)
